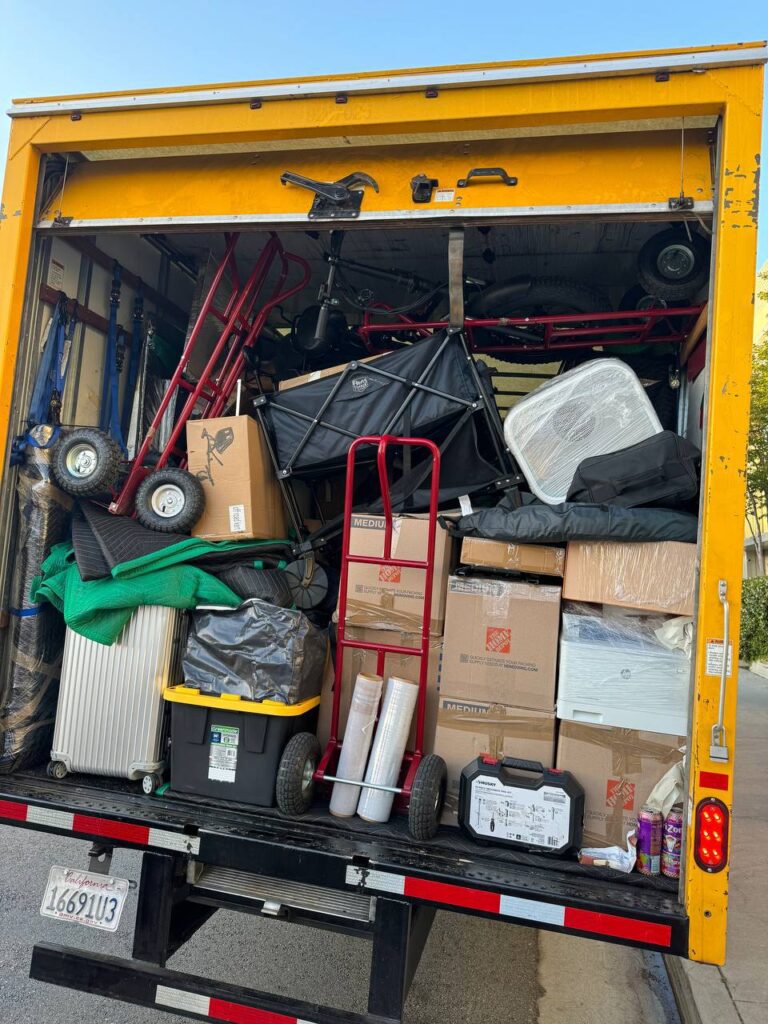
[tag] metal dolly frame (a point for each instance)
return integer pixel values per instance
(239, 332)
(332, 751)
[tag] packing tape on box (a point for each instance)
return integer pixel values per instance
(628, 750)
(383, 615)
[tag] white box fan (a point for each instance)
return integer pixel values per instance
(597, 408)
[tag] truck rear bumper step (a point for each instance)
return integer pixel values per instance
(275, 892)
(143, 984)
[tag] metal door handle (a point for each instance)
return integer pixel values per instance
(718, 750)
(486, 172)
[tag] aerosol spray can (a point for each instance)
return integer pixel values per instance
(672, 842)
(649, 829)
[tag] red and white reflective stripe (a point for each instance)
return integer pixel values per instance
(522, 909)
(220, 1009)
(105, 828)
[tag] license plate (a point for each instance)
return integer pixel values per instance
(85, 897)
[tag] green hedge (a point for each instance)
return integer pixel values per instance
(753, 641)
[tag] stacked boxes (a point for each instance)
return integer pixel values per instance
(499, 668)
(622, 694)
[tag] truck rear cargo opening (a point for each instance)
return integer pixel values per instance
(529, 307)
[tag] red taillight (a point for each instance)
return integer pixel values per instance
(711, 838)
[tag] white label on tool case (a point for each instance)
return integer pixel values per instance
(222, 757)
(715, 658)
(444, 195)
(237, 518)
(536, 817)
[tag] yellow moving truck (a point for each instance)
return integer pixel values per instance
(581, 160)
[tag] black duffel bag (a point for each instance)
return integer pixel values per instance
(662, 470)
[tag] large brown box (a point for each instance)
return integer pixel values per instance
(501, 642)
(242, 497)
(618, 768)
(402, 665)
(391, 597)
(466, 729)
(500, 554)
(658, 576)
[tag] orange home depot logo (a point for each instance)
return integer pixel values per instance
(390, 573)
(498, 640)
(620, 793)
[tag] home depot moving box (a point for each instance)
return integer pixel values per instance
(242, 497)
(618, 768)
(501, 642)
(391, 597)
(402, 665)
(466, 729)
(499, 554)
(657, 576)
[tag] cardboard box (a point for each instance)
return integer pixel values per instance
(391, 597)
(466, 729)
(395, 665)
(501, 642)
(310, 378)
(242, 497)
(618, 768)
(657, 576)
(499, 554)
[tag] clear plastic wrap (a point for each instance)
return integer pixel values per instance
(258, 650)
(654, 577)
(33, 649)
(499, 554)
(614, 671)
(358, 737)
(388, 748)
(597, 408)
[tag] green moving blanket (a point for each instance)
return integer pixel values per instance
(98, 609)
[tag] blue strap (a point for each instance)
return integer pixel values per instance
(48, 371)
(137, 337)
(109, 416)
(25, 613)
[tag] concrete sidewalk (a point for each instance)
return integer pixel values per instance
(738, 992)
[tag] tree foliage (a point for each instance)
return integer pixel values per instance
(757, 445)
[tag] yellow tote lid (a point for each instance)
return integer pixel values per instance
(235, 702)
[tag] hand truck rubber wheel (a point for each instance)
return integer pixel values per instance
(672, 265)
(295, 786)
(309, 584)
(170, 500)
(427, 796)
(85, 462)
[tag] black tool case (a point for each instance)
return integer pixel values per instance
(522, 804)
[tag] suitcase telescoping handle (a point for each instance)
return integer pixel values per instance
(522, 765)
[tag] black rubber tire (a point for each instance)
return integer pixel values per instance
(545, 295)
(106, 453)
(653, 279)
(188, 514)
(427, 797)
(293, 796)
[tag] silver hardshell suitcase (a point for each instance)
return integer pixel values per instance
(111, 716)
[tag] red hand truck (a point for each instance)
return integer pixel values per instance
(167, 498)
(421, 788)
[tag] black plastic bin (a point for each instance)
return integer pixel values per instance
(229, 747)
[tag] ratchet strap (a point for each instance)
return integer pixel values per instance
(456, 278)
(109, 416)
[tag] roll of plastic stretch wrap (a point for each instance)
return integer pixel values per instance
(388, 748)
(358, 737)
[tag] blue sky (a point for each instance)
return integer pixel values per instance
(83, 46)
